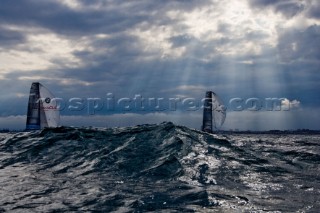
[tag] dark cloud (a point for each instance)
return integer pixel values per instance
(63, 20)
(112, 17)
(181, 40)
(314, 11)
(290, 9)
(262, 3)
(10, 37)
(294, 45)
(287, 8)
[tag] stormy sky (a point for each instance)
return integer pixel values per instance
(163, 50)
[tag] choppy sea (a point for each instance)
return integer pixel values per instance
(158, 168)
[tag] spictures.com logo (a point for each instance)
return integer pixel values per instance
(138, 103)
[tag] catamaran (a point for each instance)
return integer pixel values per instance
(42, 108)
(214, 112)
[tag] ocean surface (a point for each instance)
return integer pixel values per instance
(161, 168)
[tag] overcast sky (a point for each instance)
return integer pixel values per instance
(163, 49)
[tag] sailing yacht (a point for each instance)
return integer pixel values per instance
(42, 108)
(214, 112)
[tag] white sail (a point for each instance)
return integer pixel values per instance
(49, 113)
(219, 111)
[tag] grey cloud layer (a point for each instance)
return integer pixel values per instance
(121, 62)
(288, 8)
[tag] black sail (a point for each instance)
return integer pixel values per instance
(207, 113)
(214, 112)
(33, 114)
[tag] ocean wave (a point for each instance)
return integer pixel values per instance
(161, 167)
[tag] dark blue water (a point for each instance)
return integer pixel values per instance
(162, 168)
